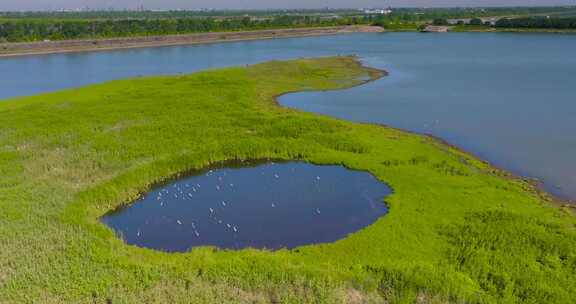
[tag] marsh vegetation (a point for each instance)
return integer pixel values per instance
(458, 230)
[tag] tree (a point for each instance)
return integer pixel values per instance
(440, 21)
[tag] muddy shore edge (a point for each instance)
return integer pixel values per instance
(89, 45)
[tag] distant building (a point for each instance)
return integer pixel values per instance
(458, 21)
(330, 17)
(377, 11)
(435, 29)
(491, 20)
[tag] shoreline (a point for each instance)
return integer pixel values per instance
(93, 45)
(18, 49)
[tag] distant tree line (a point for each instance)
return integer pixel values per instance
(153, 14)
(412, 14)
(12, 30)
(38, 26)
(473, 21)
(538, 22)
(519, 23)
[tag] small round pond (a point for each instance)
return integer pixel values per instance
(259, 205)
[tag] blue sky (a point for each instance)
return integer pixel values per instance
(243, 4)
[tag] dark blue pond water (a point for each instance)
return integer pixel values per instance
(270, 205)
(509, 98)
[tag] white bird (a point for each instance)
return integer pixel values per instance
(197, 234)
(235, 229)
(317, 210)
(276, 176)
(224, 203)
(179, 222)
(228, 225)
(273, 205)
(217, 187)
(317, 177)
(211, 210)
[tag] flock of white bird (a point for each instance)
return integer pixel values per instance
(186, 191)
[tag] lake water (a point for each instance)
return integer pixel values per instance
(508, 98)
(259, 205)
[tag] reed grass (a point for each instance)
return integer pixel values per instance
(458, 230)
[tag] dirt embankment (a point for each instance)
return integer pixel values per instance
(64, 46)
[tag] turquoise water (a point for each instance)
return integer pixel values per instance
(508, 98)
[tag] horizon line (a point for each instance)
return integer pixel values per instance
(89, 9)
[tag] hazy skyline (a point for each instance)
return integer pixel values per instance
(6, 5)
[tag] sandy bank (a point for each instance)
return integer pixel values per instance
(65, 46)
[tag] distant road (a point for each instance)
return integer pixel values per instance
(65, 46)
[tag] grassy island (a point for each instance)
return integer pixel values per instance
(458, 230)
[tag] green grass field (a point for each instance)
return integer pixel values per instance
(458, 230)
